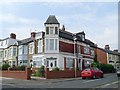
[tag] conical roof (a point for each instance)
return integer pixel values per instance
(52, 20)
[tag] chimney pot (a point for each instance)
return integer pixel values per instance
(63, 28)
(13, 36)
(107, 47)
(33, 34)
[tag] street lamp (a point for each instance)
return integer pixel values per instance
(74, 38)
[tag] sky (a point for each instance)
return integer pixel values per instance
(99, 20)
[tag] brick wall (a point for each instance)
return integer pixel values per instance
(61, 74)
(101, 56)
(66, 47)
(17, 74)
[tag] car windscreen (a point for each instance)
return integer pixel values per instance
(87, 69)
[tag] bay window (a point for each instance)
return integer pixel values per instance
(51, 44)
(14, 51)
(39, 46)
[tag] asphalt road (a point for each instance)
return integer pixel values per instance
(109, 81)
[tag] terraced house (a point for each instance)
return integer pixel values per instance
(107, 56)
(55, 47)
(8, 50)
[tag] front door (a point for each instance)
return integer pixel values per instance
(52, 64)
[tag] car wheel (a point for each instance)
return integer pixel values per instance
(102, 76)
(118, 75)
(93, 76)
(83, 77)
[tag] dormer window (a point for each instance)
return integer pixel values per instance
(83, 37)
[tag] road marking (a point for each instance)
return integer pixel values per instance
(103, 86)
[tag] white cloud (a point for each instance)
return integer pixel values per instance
(10, 18)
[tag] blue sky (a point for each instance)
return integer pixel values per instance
(99, 20)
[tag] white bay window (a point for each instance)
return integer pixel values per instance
(51, 44)
(40, 46)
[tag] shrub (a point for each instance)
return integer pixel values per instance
(56, 69)
(107, 68)
(22, 68)
(94, 64)
(5, 66)
(40, 72)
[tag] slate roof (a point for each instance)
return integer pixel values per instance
(109, 51)
(52, 20)
(68, 35)
(25, 41)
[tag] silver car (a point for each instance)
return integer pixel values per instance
(118, 73)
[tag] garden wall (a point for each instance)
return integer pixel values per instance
(17, 74)
(61, 74)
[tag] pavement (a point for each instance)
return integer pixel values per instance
(54, 80)
(58, 80)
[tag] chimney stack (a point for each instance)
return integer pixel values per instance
(107, 47)
(116, 50)
(33, 34)
(13, 36)
(63, 28)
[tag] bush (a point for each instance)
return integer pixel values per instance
(22, 68)
(40, 72)
(107, 68)
(5, 66)
(17, 68)
(56, 69)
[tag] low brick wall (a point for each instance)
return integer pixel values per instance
(61, 74)
(18, 74)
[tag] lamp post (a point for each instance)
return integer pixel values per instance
(74, 38)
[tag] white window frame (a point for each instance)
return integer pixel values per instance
(40, 45)
(51, 46)
(31, 48)
(51, 30)
(69, 62)
(14, 51)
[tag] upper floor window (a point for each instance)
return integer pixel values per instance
(1, 43)
(92, 52)
(56, 30)
(86, 50)
(39, 46)
(83, 37)
(47, 30)
(31, 48)
(1, 54)
(20, 50)
(10, 52)
(14, 51)
(51, 30)
(51, 44)
(5, 53)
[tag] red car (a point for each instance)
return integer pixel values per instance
(92, 72)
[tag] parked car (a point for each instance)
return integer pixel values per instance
(92, 72)
(118, 73)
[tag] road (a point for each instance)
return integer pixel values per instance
(109, 81)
